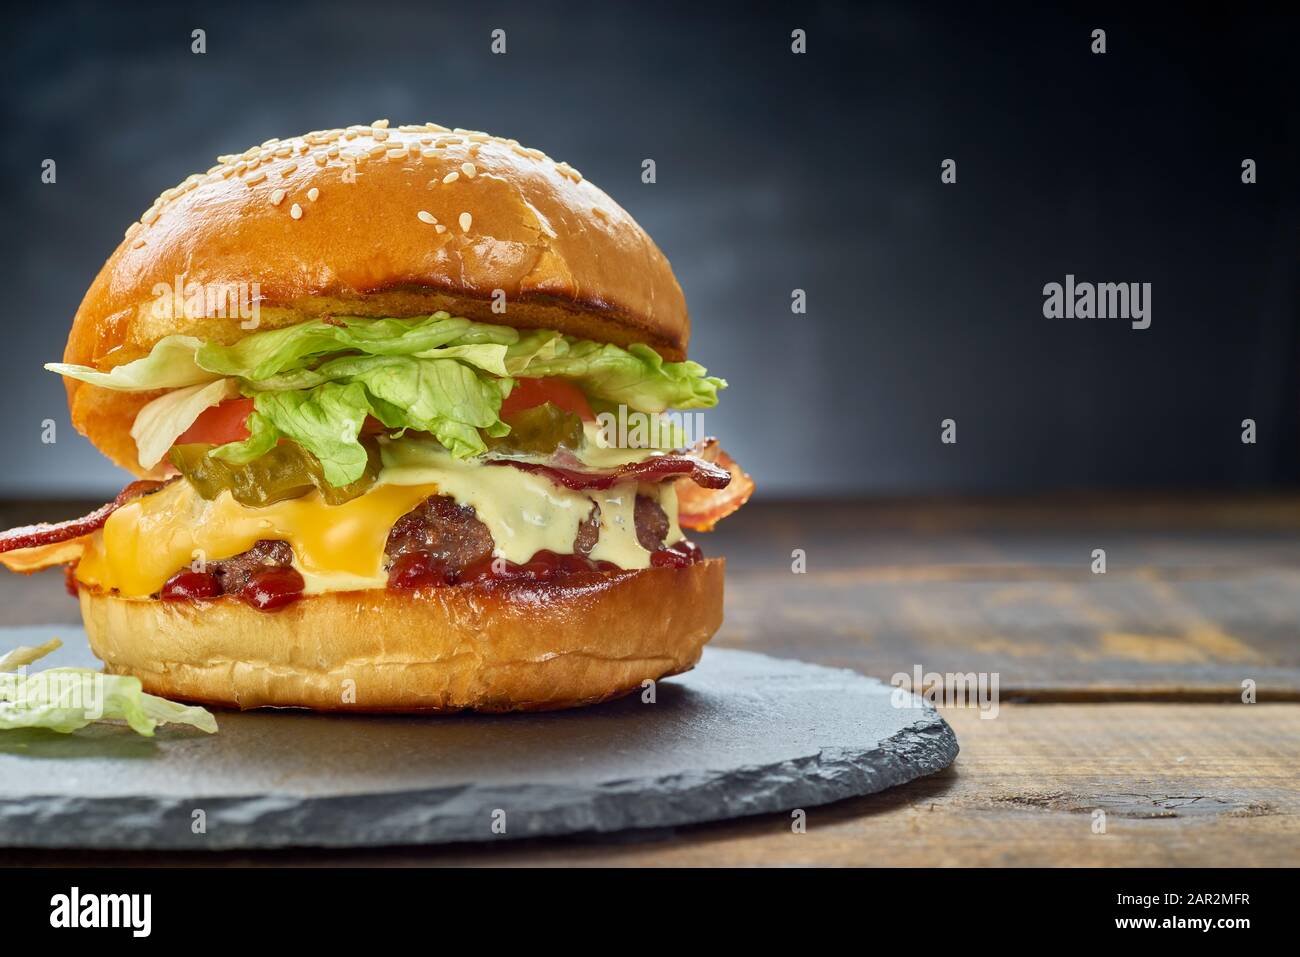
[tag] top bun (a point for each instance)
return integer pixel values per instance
(372, 221)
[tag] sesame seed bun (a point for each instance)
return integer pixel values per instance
(372, 221)
(497, 647)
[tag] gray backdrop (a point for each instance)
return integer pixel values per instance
(775, 171)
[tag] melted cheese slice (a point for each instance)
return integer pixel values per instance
(341, 547)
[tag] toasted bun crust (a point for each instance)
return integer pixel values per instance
(566, 255)
(499, 647)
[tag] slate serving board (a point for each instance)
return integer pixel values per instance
(741, 734)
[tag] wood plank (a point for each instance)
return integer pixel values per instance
(1197, 598)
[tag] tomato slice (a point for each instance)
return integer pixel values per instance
(226, 422)
(530, 392)
(220, 424)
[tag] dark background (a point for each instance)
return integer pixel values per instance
(775, 171)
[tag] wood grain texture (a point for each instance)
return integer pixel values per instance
(1197, 597)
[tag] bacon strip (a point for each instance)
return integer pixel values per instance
(710, 485)
(699, 508)
(693, 469)
(35, 536)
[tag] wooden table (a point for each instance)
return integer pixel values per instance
(1119, 692)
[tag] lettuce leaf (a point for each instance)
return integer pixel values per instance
(169, 365)
(316, 382)
(162, 421)
(65, 699)
(636, 376)
(445, 397)
(279, 359)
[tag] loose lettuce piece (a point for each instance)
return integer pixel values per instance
(26, 654)
(169, 365)
(65, 699)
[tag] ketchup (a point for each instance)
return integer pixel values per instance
(680, 555)
(272, 587)
(188, 585)
(266, 590)
(420, 570)
(423, 570)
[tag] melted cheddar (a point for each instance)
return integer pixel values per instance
(341, 547)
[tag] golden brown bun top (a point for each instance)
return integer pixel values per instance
(372, 221)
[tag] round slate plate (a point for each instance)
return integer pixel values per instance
(741, 734)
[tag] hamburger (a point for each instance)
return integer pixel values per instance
(409, 413)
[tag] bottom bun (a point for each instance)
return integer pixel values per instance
(498, 646)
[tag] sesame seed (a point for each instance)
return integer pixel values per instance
(451, 177)
(321, 159)
(468, 169)
(429, 153)
(295, 211)
(380, 124)
(313, 193)
(440, 228)
(137, 244)
(277, 197)
(149, 215)
(397, 152)
(425, 216)
(255, 177)
(379, 135)
(377, 150)
(426, 140)
(465, 220)
(284, 173)
(283, 151)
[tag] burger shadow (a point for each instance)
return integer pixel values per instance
(671, 703)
